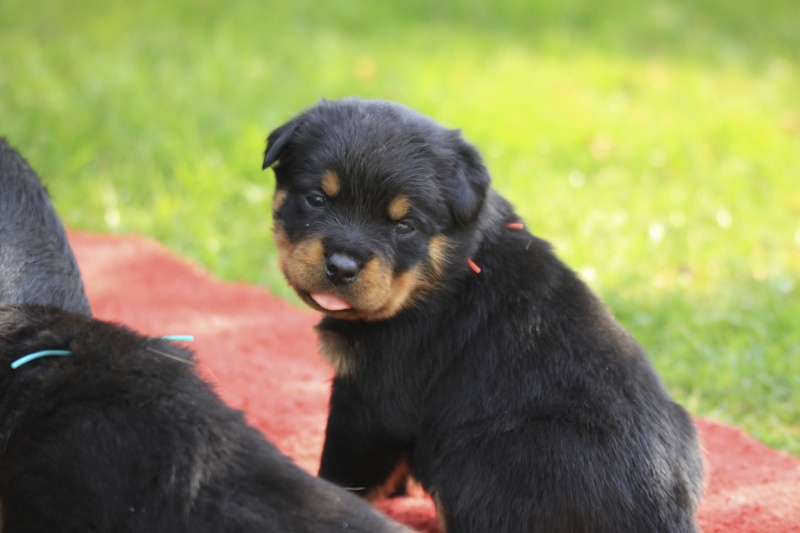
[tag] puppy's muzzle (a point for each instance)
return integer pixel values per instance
(341, 268)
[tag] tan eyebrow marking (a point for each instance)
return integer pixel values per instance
(331, 184)
(398, 208)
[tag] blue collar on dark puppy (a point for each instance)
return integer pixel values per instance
(44, 353)
(51, 353)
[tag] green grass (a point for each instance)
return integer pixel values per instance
(656, 144)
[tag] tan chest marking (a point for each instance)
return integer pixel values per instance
(337, 351)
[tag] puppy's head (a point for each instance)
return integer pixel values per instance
(373, 203)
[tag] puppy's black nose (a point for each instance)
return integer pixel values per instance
(341, 268)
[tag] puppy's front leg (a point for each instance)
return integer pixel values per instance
(356, 454)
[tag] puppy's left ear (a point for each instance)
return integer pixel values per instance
(277, 141)
(471, 183)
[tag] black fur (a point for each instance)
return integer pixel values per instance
(120, 438)
(519, 401)
(36, 261)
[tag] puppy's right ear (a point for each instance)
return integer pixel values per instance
(277, 141)
(470, 184)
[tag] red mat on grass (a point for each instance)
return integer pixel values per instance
(262, 356)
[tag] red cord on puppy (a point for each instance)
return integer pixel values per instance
(475, 268)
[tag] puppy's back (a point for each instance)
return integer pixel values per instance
(36, 262)
(123, 435)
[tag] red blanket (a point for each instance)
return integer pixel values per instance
(261, 355)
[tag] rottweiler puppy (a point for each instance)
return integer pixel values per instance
(461, 344)
(36, 261)
(121, 435)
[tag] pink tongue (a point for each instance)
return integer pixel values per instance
(329, 301)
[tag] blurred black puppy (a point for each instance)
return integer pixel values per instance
(122, 436)
(36, 261)
(462, 344)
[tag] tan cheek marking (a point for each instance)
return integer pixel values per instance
(402, 287)
(282, 244)
(336, 350)
(379, 295)
(331, 184)
(405, 289)
(398, 208)
(437, 255)
(302, 262)
(278, 199)
(372, 286)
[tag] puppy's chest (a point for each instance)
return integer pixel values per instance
(387, 373)
(356, 355)
(339, 350)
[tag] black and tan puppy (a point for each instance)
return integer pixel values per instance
(36, 261)
(462, 344)
(122, 436)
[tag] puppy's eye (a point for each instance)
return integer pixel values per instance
(315, 200)
(403, 228)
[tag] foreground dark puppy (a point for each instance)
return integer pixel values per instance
(36, 262)
(122, 436)
(519, 402)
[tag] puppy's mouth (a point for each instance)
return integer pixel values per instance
(375, 293)
(329, 301)
(330, 304)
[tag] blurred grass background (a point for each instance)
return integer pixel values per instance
(655, 143)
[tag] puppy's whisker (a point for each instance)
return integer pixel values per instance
(169, 356)
(212, 374)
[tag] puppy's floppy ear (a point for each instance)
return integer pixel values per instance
(471, 182)
(277, 141)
